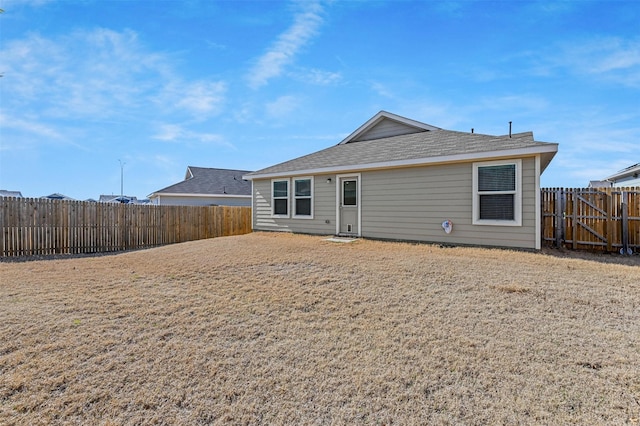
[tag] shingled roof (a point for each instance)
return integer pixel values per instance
(427, 146)
(210, 181)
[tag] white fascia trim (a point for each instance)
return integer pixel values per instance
(253, 209)
(538, 208)
(169, 194)
(456, 158)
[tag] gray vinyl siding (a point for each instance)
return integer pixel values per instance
(202, 201)
(324, 209)
(412, 203)
(387, 128)
(409, 204)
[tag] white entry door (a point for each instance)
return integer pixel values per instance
(349, 206)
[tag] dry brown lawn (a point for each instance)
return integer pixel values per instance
(289, 329)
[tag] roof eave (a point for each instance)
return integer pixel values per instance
(628, 172)
(177, 194)
(548, 152)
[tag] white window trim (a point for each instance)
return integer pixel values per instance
(517, 212)
(273, 204)
(293, 197)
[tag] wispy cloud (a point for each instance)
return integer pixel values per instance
(35, 128)
(98, 75)
(612, 59)
(287, 46)
(282, 107)
(319, 77)
(178, 134)
(201, 99)
(381, 89)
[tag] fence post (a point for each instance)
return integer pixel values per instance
(609, 225)
(625, 225)
(575, 214)
(559, 217)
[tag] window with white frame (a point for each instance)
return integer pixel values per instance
(303, 197)
(280, 197)
(497, 193)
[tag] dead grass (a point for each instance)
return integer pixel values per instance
(289, 329)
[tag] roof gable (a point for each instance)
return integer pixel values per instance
(385, 124)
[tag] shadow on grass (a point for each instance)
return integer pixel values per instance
(63, 256)
(594, 256)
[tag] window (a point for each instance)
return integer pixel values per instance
(280, 198)
(349, 193)
(303, 197)
(497, 193)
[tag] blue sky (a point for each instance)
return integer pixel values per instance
(162, 85)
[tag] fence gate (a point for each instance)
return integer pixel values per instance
(606, 219)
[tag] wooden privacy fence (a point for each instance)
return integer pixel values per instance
(606, 219)
(34, 226)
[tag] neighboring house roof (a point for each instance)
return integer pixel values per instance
(426, 145)
(627, 174)
(5, 193)
(57, 196)
(125, 199)
(599, 184)
(201, 181)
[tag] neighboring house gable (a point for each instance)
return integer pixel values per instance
(396, 178)
(627, 177)
(204, 186)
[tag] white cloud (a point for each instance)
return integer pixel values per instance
(98, 75)
(381, 90)
(177, 134)
(321, 78)
(288, 44)
(282, 107)
(613, 59)
(32, 127)
(199, 98)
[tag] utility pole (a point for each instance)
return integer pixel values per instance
(121, 180)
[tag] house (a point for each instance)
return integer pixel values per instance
(626, 177)
(6, 193)
(400, 179)
(207, 187)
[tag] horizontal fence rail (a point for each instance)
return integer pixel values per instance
(35, 226)
(605, 219)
